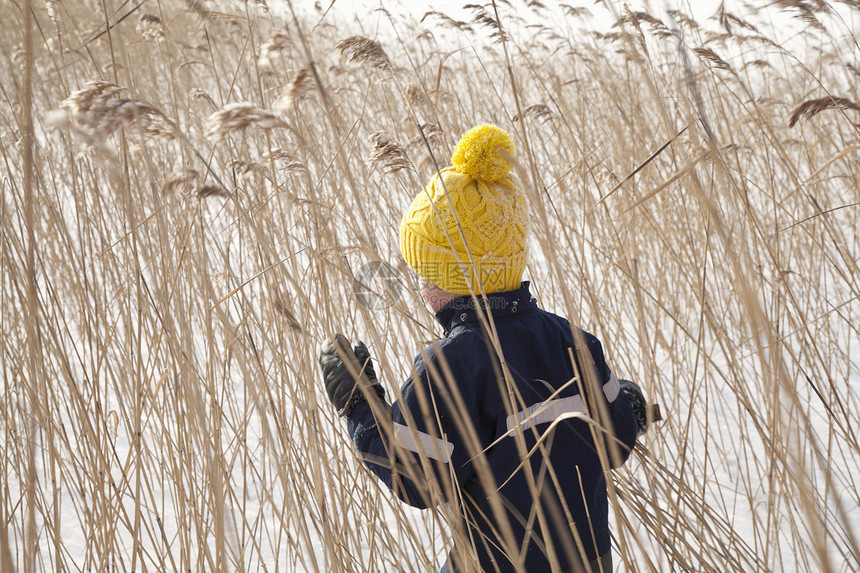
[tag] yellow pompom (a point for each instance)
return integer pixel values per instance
(483, 153)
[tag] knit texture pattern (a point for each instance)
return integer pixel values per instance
(488, 200)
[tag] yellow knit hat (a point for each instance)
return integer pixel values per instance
(492, 209)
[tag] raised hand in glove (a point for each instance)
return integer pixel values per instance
(348, 374)
(640, 405)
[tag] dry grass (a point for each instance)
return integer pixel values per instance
(181, 234)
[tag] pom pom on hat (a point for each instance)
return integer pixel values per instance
(483, 153)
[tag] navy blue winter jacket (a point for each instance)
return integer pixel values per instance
(467, 420)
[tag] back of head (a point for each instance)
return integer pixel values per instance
(472, 212)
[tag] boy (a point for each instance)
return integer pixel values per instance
(513, 417)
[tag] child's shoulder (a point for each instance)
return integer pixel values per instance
(464, 350)
(577, 335)
(459, 341)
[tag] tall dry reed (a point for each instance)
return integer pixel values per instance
(190, 188)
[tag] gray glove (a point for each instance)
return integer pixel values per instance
(348, 374)
(640, 406)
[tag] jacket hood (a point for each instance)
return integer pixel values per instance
(465, 309)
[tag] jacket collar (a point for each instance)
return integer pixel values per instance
(465, 309)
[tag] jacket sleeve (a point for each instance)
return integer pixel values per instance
(416, 446)
(621, 416)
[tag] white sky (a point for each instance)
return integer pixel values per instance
(700, 9)
(778, 24)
